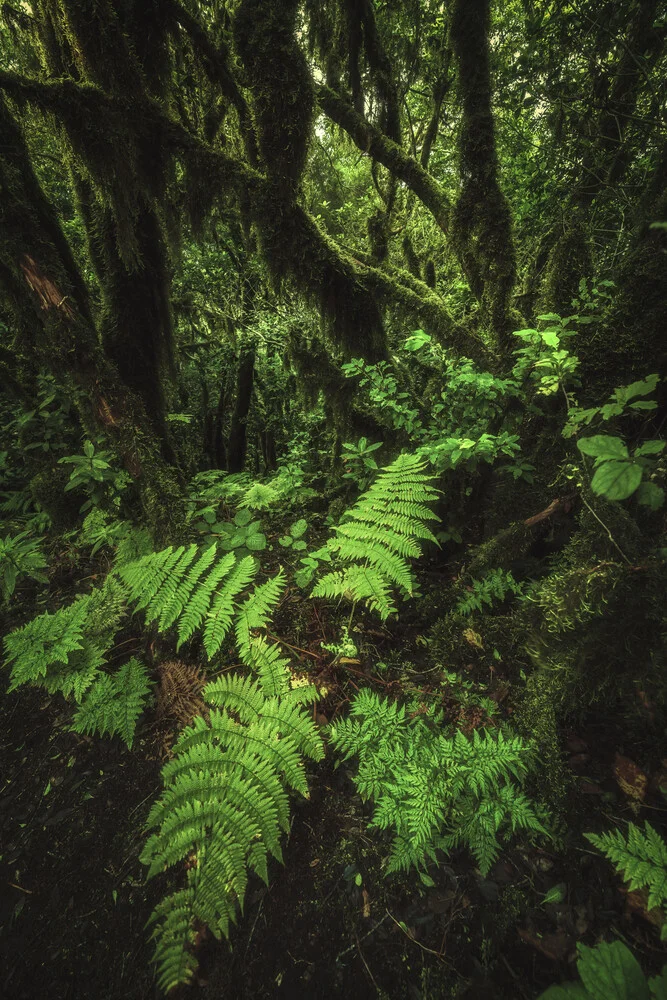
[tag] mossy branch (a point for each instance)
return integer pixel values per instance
(372, 141)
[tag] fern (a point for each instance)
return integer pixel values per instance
(114, 703)
(435, 791)
(224, 806)
(641, 858)
(494, 586)
(379, 534)
(180, 587)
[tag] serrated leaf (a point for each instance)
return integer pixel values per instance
(650, 495)
(616, 480)
(650, 448)
(298, 528)
(603, 447)
(242, 518)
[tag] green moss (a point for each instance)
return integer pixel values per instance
(500, 551)
(47, 489)
(536, 720)
(570, 259)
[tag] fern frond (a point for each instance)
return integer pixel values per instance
(199, 602)
(219, 618)
(114, 703)
(46, 640)
(378, 534)
(175, 935)
(224, 805)
(435, 791)
(641, 858)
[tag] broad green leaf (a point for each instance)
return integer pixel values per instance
(300, 545)
(242, 517)
(603, 446)
(298, 528)
(88, 448)
(550, 338)
(549, 318)
(650, 495)
(256, 542)
(611, 972)
(616, 480)
(658, 985)
(285, 541)
(649, 448)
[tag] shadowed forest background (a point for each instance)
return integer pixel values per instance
(333, 344)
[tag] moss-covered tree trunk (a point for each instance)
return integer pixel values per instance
(43, 291)
(481, 220)
(238, 436)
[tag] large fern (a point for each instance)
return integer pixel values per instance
(378, 536)
(182, 587)
(434, 790)
(223, 808)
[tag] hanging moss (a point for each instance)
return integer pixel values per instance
(384, 150)
(481, 221)
(635, 323)
(411, 258)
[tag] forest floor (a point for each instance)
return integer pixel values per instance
(74, 901)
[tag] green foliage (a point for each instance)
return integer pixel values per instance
(54, 651)
(435, 791)
(358, 460)
(224, 806)
(241, 535)
(114, 702)
(609, 972)
(65, 652)
(378, 536)
(641, 858)
(494, 586)
(93, 472)
(180, 587)
(544, 359)
(621, 402)
(618, 474)
(20, 555)
(294, 539)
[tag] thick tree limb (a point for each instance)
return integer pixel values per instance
(372, 141)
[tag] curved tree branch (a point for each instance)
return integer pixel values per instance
(372, 141)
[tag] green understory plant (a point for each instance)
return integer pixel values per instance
(618, 474)
(641, 858)
(609, 972)
(359, 462)
(493, 586)
(377, 536)
(434, 790)
(241, 535)
(20, 555)
(94, 472)
(294, 537)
